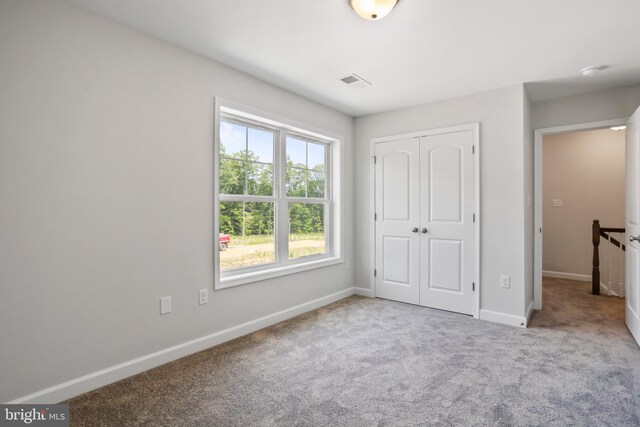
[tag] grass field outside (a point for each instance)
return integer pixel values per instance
(259, 249)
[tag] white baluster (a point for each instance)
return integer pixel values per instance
(609, 264)
(621, 272)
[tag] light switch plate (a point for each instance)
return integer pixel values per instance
(165, 305)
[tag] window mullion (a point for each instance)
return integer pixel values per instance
(245, 162)
(282, 216)
(246, 198)
(328, 218)
(307, 201)
(328, 194)
(328, 185)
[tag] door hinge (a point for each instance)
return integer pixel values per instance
(473, 149)
(374, 159)
(375, 216)
(473, 286)
(474, 217)
(375, 273)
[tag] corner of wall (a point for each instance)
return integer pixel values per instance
(529, 217)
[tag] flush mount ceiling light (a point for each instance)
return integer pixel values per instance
(618, 128)
(373, 9)
(591, 71)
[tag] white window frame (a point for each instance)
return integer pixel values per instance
(333, 214)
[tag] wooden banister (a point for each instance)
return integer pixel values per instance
(611, 230)
(596, 233)
(595, 272)
(613, 240)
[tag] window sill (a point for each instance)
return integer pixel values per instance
(270, 273)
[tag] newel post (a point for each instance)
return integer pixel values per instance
(595, 274)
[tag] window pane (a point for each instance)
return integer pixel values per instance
(232, 176)
(246, 234)
(316, 156)
(306, 229)
(259, 179)
(296, 182)
(260, 145)
(233, 140)
(296, 152)
(315, 184)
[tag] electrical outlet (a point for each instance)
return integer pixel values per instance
(203, 296)
(165, 305)
(556, 203)
(346, 263)
(505, 282)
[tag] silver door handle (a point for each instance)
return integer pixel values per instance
(424, 230)
(634, 238)
(414, 230)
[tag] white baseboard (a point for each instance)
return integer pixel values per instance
(604, 289)
(505, 319)
(568, 276)
(124, 370)
(365, 292)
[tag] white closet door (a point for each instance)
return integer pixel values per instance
(446, 221)
(397, 210)
(632, 226)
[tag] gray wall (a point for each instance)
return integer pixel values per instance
(500, 113)
(588, 107)
(106, 182)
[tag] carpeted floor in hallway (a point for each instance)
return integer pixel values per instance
(372, 362)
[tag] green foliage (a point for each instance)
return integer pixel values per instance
(296, 182)
(232, 176)
(240, 173)
(306, 218)
(315, 184)
(247, 218)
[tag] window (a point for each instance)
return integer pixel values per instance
(306, 188)
(275, 206)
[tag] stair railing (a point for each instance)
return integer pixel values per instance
(597, 232)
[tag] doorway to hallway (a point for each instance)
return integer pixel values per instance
(583, 208)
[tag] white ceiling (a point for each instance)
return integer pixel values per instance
(424, 50)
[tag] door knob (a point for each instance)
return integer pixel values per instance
(634, 238)
(414, 230)
(424, 230)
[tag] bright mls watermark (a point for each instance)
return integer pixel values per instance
(34, 415)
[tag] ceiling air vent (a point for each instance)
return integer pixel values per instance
(355, 80)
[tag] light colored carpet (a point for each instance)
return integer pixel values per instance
(371, 362)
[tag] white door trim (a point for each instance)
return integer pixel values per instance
(539, 134)
(475, 128)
